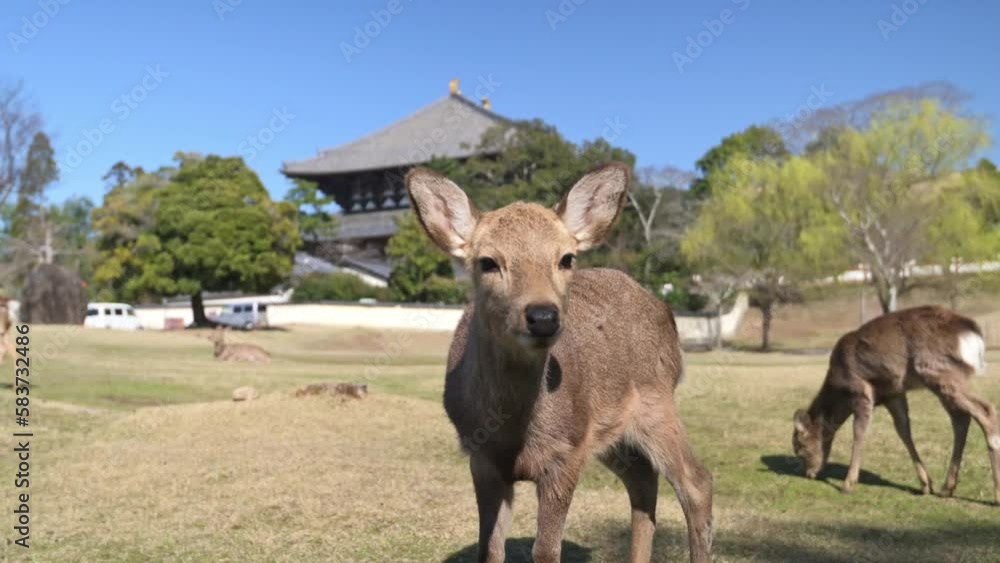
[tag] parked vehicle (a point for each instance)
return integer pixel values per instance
(247, 316)
(116, 316)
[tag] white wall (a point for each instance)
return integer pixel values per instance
(698, 329)
(385, 316)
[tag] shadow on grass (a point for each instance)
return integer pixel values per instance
(790, 465)
(783, 542)
(519, 551)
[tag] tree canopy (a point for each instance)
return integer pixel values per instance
(207, 225)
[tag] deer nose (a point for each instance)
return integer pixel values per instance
(543, 320)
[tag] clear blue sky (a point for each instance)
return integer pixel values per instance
(222, 78)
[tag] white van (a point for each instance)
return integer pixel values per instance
(247, 316)
(117, 316)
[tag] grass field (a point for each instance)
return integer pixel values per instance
(138, 455)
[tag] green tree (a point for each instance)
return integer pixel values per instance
(337, 286)
(764, 228)
(420, 271)
(528, 161)
(754, 143)
(315, 219)
(40, 171)
(890, 183)
(211, 227)
(964, 230)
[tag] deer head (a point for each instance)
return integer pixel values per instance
(521, 256)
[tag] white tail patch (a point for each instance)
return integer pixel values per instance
(972, 351)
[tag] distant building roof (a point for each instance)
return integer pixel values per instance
(450, 127)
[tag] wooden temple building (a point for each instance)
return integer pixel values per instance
(365, 176)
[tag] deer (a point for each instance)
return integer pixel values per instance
(236, 352)
(927, 347)
(551, 365)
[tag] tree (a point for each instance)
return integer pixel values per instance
(18, 125)
(889, 185)
(657, 197)
(417, 264)
(31, 232)
(754, 142)
(964, 231)
(211, 227)
(529, 161)
(315, 218)
(39, 172)
(763, 227)
(815, 130)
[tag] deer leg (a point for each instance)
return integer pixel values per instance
(960, 426)
(862, 420)
(494, 496)
(899, 409)
(670, 452)
(959, 399)
(555, 493)
(986, 415)
(641, 481)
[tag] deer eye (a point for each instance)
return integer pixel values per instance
(567, 262)
(488, 265)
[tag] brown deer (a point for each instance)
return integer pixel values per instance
(550, 365)
(236, 352)
(877, 364)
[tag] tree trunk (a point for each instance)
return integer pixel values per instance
(767, 312)
(893, 295)
(718, 327)
(198, 309)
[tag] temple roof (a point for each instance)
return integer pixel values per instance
(451, 127)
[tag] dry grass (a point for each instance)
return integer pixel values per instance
(138, 456)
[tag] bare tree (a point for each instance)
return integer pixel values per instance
(650, 197)
(815, 130)
(18, 124)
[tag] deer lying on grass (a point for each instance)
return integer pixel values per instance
(877, 364)
(549, 365)
(236, 352)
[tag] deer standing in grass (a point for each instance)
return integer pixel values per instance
(236, 352)
(877, 364)
(550, 365)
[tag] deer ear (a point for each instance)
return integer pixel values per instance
(443, 209)
(801, 419)
(592, 206)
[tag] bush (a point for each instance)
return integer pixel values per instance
(439, 289)
(682, 297)
(338, 286)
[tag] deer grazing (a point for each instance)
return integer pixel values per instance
(550, 365)
(236, 352)
(877, 364)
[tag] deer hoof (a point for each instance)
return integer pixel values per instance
(947, 492)
(928, 489)
(846, 488)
